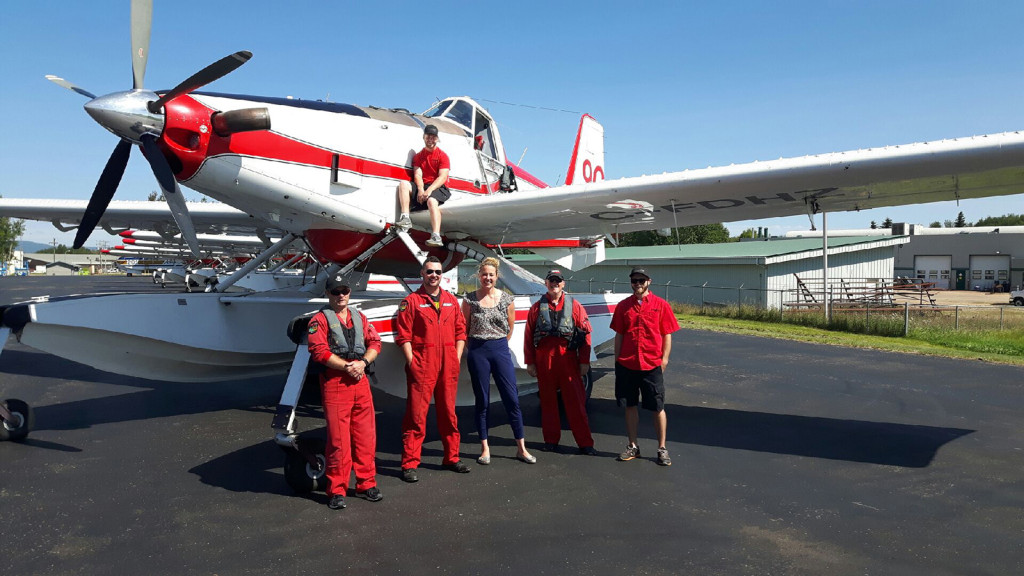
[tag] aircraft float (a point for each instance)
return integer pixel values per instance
(325, 173)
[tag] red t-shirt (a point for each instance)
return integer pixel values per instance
(431, 163)
(643, 325)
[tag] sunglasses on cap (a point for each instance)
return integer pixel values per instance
(343, 291)
(638, 280)
(433, 272)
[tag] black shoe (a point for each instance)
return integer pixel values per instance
(588, 451)
(371, 494)
(459, 467)
(549, 447)
(409, 475)
(336, 502)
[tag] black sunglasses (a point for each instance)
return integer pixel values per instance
(555, 280)
(433, 272)
(341, 291)
(638, 280)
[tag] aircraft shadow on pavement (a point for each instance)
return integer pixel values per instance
(151, 399)
(886, 443)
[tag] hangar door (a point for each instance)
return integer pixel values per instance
(986, 271)
(933, 269)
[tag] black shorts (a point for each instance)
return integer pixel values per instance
(441, 194)
(631, 384)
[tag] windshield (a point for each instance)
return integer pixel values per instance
(438, 109)
(462, 113)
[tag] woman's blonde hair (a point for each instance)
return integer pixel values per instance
(489, 261)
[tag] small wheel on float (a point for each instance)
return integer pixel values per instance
(21, 422)
(298, 471)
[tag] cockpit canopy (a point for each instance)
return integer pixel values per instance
(474, 118)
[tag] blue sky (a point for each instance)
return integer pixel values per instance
(676, 84)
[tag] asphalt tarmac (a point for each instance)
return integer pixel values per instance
(789, 458)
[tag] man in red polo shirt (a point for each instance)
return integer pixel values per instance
(643, 325)
(426, 190)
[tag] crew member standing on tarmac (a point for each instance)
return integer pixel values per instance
(431, 332)
(345, 342)
(643, 325)
(546, 350)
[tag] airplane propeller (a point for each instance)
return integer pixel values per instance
(136, 116)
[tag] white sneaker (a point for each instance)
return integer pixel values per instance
(435, 241)
(404, 223)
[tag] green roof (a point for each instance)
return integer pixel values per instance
(731, 250)
(747, 249)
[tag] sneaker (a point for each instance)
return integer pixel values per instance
(459, 467)
(409, 475)
(336, 502)
(371, 494)
(663, 458)
(632, 451)
(588, 451)
(435, 241)
(404, 223)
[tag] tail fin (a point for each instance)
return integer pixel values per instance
(587, 163)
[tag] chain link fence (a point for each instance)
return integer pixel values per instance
(880, 308)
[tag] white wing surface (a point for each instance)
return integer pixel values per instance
(974, 167)
(208, 218)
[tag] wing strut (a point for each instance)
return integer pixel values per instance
(251, 265)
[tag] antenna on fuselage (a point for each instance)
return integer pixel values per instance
(520, 163)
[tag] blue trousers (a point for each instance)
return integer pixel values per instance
(492, 357)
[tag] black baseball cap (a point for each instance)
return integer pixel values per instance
(555, 273)
(335, 282)
(639, 272)
(430, 129)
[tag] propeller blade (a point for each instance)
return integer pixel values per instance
(104, 191)
(64, 83)
(141, 22)
(218, 69)
(169, 186)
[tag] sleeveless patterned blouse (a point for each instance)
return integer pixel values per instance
(488, 323)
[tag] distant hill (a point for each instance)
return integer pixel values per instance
(32, 247)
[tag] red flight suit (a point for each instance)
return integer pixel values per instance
(348, 410)
(434, 371)
(558, 368)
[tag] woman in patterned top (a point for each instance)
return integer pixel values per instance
(490, 316)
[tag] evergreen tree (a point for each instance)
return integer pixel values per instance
(887, 223)
(961, 222)
(700, 234)
(10, 233)
(874, 226)
(1004, 220)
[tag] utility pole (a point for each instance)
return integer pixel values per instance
(54, 250)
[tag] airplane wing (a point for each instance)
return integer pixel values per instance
(974, 167)
(208, 218)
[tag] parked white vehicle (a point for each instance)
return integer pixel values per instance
(1017, 297)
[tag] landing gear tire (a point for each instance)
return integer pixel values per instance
(1018, 301)
(299, 473)
(21, 422)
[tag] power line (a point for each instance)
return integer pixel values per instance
(528, 106)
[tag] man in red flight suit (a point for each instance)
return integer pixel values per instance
(431, 332)
(348, 403)
(556, 367)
